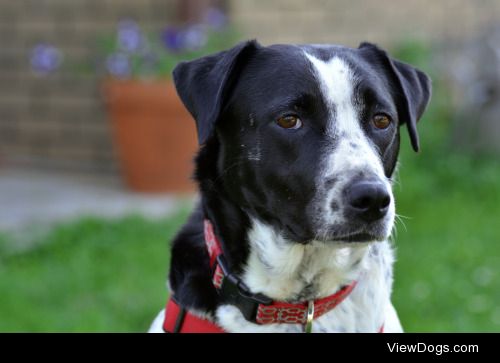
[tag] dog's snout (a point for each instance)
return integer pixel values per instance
(368, 200)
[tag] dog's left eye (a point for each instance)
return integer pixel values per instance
(289, 122)
(381, 121)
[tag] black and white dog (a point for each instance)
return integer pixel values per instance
(299, 144)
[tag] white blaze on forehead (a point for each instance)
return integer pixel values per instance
(337, 84)
(351, 148)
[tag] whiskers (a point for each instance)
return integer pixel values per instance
(399, 219)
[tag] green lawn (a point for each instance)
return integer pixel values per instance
(447, 273)
(95, 275)
(92, 275)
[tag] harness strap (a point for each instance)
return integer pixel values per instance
(178, 320)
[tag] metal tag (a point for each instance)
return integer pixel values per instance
(310, 317)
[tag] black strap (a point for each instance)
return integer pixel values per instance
(179, 322)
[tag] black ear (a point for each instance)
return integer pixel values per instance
(202, 84)
(412, 88)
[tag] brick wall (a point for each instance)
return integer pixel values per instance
(351, 21)
(59, 120)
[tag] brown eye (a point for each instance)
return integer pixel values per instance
(381, 121)
(289, 122)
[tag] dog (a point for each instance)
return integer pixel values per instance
(298, 150)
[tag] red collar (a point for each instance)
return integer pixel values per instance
(257, 308)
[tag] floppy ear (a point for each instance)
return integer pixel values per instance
(411, 88)
(202, 84)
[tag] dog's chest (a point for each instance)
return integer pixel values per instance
(293, 272)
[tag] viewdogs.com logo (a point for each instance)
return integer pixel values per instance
(437, 349)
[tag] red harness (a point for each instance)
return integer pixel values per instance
(262, 310)
(177, 320)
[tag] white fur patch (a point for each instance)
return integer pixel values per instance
(282, 269)
(157, 325)
(337, 83)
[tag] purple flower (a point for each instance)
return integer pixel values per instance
(45, 59)
(172, 39)
(129, 36)
(215, 19)
(194, 37)
(190, 38)
(118, 65)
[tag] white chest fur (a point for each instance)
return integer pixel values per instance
(292, 272)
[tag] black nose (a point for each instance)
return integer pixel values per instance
(368, 200)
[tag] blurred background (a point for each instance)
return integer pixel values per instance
(95, 151)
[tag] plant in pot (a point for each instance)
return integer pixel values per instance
(154, 134)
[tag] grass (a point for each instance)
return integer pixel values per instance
(90, 275)
(447, 274)
(95, 275)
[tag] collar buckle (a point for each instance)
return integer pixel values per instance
(235, 291)
(241, 287)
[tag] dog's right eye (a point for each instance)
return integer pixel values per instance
(289, 122)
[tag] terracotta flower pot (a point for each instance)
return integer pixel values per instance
(154, 134)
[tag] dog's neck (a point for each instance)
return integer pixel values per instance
(288, 271)
(230, 222)
(230, 225)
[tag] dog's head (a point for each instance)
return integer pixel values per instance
(308, 136)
